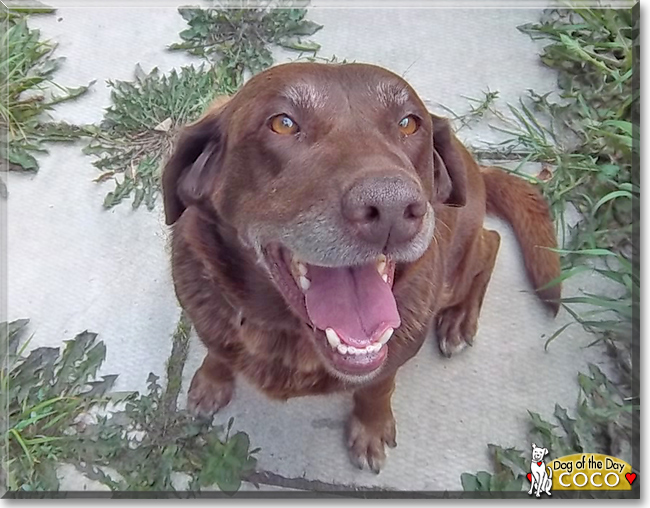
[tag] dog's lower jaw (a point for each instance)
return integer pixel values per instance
(349, 380)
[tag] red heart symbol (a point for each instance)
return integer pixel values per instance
(530, 476)
(539, 463)
(630, 477)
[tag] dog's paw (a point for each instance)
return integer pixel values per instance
(455, 330)
(366, 442)
(207, 395)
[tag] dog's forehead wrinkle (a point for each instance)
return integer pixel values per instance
(306, 95)
(390, 94)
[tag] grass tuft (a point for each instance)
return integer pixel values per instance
(28, 92)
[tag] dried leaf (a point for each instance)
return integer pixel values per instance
(164, 126)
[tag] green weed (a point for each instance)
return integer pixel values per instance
(139, 128)
(239, 40)
(27, 68)
(58, 412)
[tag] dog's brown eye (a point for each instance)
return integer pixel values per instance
(283, 124)
(408, 125)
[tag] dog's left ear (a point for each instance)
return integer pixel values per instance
(545, 451)
(450, 173)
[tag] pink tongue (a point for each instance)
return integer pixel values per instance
(355, 302)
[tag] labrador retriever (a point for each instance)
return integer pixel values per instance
(323, 223)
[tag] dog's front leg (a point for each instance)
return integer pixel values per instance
(540, 484)
(212, 386)
(372, 425)
(532, 483)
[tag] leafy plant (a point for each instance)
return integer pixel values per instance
(239, 39)
(478, 109)
(587, 142)
(27, 67)
(45, 393)
(59, 413)
(139, 128)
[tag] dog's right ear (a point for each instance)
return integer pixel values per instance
(190, 173)
(450, 173)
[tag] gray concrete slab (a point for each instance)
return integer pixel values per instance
(74, 266)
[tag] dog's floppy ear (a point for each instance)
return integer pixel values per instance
(450, 174)
(190, 172)
(545, 451)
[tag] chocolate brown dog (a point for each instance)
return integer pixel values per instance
(324, 222)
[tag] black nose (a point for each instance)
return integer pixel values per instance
(385, 211)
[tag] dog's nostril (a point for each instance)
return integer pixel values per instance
(372, 213)
(415, 210)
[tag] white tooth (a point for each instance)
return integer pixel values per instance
(302, 269)
(353, 350)
(342, 348)
(381, 264)
(332, 338)
(385, 278)
(372, 348)
(385, 337)
(304, 283)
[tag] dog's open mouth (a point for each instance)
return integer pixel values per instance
(353, 306)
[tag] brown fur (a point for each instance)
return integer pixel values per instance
(232, 186)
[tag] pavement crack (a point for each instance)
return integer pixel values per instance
(273, 479)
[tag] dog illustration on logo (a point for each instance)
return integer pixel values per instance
(538, 475)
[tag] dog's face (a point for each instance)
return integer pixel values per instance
(330, 173)
(538, 453)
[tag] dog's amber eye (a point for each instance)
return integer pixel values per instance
(408, 125)
(283, 124)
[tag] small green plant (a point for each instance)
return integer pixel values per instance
(590, 139)
(478, 109)
(139, 128)
(240, 39)
(27, 67)
(59, 413)
(45, 392)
